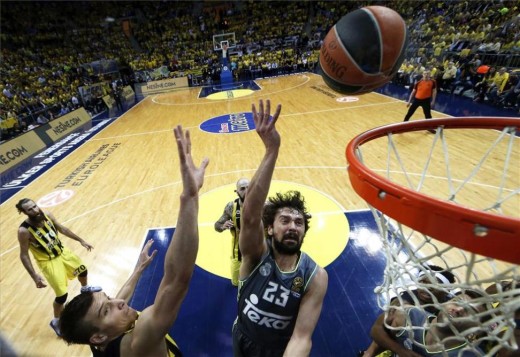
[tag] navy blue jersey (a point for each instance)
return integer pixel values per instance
(269, 300)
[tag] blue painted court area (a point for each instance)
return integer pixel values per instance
(203, 327)
(205, 91)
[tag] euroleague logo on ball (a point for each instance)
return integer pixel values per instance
(333, 45)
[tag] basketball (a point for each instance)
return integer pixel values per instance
(363, 50)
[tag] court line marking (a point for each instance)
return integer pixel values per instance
(241, 172)
(143, 133)
(281, 116)
(135, 134)
(306, 78)
(179, 183)
(310, 188)
(338, 109)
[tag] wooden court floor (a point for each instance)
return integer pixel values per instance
(135, 183)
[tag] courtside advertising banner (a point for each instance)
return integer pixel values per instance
(111, 105)
(18, 149)
(128, 96)
(160, 86)
(67, 124)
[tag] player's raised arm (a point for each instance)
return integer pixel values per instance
(109, 324)
(252, 244)
(179, 261)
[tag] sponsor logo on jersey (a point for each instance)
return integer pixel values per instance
(264, 318)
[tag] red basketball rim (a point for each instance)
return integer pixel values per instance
(448, 222)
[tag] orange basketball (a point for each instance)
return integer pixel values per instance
(363, 50)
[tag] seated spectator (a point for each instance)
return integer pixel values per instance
(416, 75)
(465, 84)
(497, 86)
(495, 47)
(516, 46)
(403, 75)
(20, 126)
(482, 87)
(63, 110)
(511, 97)
(463, 81)
(434, 68)
(448, 77)
(75, 101)
(508, 46)
(49, 114)
(485, 47)
(474, 64)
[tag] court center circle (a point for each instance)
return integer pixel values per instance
(325, 240)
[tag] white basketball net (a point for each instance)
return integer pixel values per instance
(483, 178)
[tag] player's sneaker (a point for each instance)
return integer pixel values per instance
(55, 327)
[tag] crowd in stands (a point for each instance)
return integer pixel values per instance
(496, 86)
(48, 48)
(473, 52)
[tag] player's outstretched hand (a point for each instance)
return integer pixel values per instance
(192, 176)
(265, 125)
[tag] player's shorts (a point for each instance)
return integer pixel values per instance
(243, 346)
(60, 270)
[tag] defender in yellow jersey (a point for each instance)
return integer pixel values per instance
(39, 235)
(102, 322)
(230, 219)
